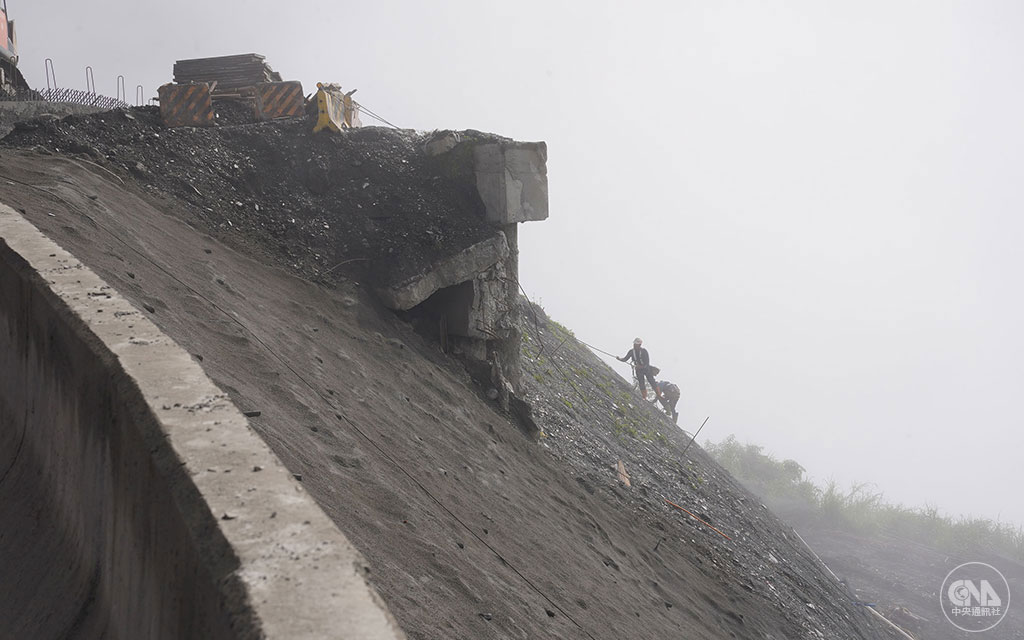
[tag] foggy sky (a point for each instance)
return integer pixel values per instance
(810, 211)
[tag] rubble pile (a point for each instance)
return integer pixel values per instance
(369, 204)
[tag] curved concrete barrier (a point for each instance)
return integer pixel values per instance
(135, 501)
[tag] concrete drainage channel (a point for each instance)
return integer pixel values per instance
(136, 502)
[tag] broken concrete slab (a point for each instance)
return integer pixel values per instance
(441, 142)
(453, 270)
(512, 180)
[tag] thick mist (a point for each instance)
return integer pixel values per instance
(809, 211)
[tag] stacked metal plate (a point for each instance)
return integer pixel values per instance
(229, 72)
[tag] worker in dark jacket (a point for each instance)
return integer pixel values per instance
(642, 363)
(669, 396)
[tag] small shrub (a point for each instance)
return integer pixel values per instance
(862, 509)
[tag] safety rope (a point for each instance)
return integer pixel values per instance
(520, 285)
(364, 109)
(598, 350)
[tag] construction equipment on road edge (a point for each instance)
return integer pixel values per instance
(11, 79)
(186, 105)
(279, 100)
(335, 110)
(245, 80)
(200, 85)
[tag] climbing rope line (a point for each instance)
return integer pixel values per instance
(580, 394)
(354, 426)
(534, 312)
(561, 372)
(598, 350)
(364, 109)
(540, 341)
(560, 345)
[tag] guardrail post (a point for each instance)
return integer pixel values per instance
(50, 73)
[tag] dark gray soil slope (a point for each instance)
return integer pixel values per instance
(593, 420)
(902, 578)
(471, 529)
(14, 111)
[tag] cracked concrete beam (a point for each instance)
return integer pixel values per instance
(453, 270)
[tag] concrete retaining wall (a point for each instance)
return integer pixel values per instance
(135, 502)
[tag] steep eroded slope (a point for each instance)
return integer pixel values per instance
(471, 529)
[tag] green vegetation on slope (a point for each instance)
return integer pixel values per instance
(860, 508)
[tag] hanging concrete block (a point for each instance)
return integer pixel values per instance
(512, 179)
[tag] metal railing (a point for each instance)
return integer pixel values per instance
(89, 97)
(77, 96)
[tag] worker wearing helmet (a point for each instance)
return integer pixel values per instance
(642, 363)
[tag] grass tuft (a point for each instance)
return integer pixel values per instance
(861, 508)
